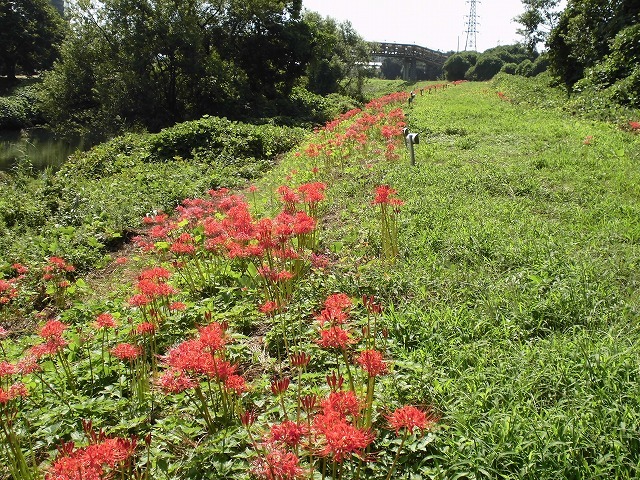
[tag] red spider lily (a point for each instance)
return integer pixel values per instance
(20, 269)
(312, 192)
(308, 402)
(248, 417)
(213, 337)
(342, 403)
(7, 369)
(335, 381)
(410, 418)
(28, 364)
(287, 432)
(17, 390)
(155, 273)
(106, 321)
(146, 328)
(338, 439)
(278, 465)
(177, 306)
(175, 381)
(53, 328)
(3, 333)
(268, 308)
(340, 301)
(90, 462)
(335, 337)
(279, 386)
(126, 351)
(52, 346)
(371, 305)
(634, 125)
(384, 193)
(236, 384)
(372, 362)
(300, 359)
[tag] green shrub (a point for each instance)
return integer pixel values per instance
(485, 68)
(509, 68)
(525, 68)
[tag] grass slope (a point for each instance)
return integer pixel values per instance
(515, 302)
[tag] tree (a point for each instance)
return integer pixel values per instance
(457, 65)
(151, 63)
(538, 19)
(584, 35)
(30, 32)
(339, 56)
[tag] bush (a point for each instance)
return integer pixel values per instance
(525, 68)
(509, 68)
(457, 65)
(20, 109)
(485, 68)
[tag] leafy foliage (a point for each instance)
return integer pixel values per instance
(30, 32)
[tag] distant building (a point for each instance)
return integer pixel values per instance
(59, 5)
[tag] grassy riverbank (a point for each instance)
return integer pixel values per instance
(506, 272)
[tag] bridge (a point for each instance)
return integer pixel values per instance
(411, 55)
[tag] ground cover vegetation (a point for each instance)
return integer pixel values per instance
(352, 316)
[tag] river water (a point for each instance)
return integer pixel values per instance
(39, 147)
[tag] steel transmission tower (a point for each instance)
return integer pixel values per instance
(472, 27)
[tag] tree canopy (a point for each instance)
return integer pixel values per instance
(155, 62)
(30, 32)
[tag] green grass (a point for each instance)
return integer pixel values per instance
(512, 309)
(515, 302)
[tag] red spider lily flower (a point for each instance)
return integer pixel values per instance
(52, 346)
(3, 333)
(303, 224)
(340, 301)
(175, 381)
(278, 465)
(312, 192)
(7, 369)
(308, 402)
(105, 320)
(236, 384)
(53, 328)
(155, 273)
(189, 356)
(342, 403)
(335, 337)
(335, 381)
(279, 386)
(121, 260)
(219, 369)
(17, 390)
(268, 308)
(177, 306)
(213, 337)
(248, 417)
(126, 351)
(372, 362)
(139, 300)
(288, 195)
(339, 439)
(287, 432)
(146, 328)
(20, 269)
(371, 305)
(28, 364)
(64, 284)
(300, 359)
(384, 193)
(587, 140)
(333, 316)
(410, 417)
(634, 125)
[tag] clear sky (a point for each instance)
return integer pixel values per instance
(435, 24)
